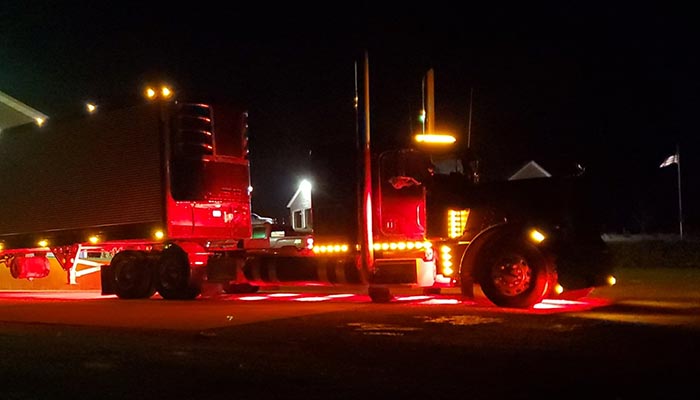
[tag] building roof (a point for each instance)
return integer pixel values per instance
(530, 170)
(13, 112)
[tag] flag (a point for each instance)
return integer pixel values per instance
(669, 160)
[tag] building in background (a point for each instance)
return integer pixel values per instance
(13, 113)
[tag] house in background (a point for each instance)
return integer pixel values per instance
(14, 113)
(300, 208)
(529, 171)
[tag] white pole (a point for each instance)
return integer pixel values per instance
(680, 203)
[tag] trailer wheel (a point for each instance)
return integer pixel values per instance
(173, 277)
(515, 276)
(380, 294)
(133, 275)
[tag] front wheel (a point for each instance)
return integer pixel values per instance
(517, 276)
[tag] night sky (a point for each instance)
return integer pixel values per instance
(613, 88)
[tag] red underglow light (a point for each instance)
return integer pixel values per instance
(314, 298)
(252, 298)
(412, 298)
(340, 296)
(545, 306)
(440, 301)
(563, 302)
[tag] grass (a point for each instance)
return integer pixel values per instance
(655, 254)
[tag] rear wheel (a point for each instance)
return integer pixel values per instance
(515, 275)
(173, 277)
(133, 275)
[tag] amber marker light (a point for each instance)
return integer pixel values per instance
(43, 243)
(611, 280)
(165, 92)
(446, 259)
(159, 234)
(90, 107)
(558, 289)
(94, 239)
(40, 121)
(150, 93)
(435, 138)
(537, 236)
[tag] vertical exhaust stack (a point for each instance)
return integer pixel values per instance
(430, 97)
(367, 242)
(364, 211)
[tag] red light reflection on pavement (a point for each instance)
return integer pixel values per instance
(545, 307)
(54, 295)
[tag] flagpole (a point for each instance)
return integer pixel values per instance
(680, 203)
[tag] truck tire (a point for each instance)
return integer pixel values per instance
(133, 275)
(514, 275)
(173, 276)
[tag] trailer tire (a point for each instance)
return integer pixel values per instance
(173, 276)
(133, 275)
(514, 275)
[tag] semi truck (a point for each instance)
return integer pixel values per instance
(518, 241)
(157, 198)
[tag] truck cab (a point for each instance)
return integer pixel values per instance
(519, 241)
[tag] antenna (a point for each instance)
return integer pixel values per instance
(422, 108)
(469, 124)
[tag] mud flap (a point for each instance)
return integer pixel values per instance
(107, 280)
